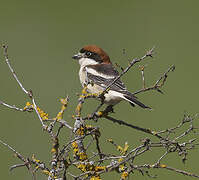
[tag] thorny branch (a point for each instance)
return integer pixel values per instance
(173, 140)
(158, 84)
(29, 93)
(124, 71)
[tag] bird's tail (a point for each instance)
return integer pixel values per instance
(133, 100)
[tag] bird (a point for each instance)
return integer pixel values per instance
(97, 72)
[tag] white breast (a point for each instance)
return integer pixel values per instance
(82, 73)
(82, 76)
(112, 97)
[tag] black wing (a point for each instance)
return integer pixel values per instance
(118, 86)
(99, 79)
(103, 82)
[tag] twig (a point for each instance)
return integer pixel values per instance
(120, 122)
(124, 71)
(157, 84)
(29, 93)
(13, 150)
(91, 165)
(35, 107)
(26, 161)
(143, 77)
(12, 70)
(180, 171)
(12, 106)
(134, 61)
(61, 122)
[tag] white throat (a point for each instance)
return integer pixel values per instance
(86, 61)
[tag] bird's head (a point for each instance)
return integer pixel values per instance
(91, 55)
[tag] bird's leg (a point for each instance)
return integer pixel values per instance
(109, 109)
(95, 115)
(98, 114)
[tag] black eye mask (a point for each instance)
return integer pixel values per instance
(92, 55)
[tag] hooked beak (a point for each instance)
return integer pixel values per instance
(77, 56)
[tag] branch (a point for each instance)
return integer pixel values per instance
(84, 148)
(132, 63)
(12, 106)
(13, 150)
(158, 84)
(26, 161)
(29, 93)
(120, 122)
(12, 70)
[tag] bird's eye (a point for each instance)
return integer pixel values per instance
(88, 54)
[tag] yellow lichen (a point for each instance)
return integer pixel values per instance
(78, 109)
(88, 126)
(142, 68)
(124, 175)
(121, 167)
(120, 159)
(100, 168)
(82, 156)
(42, 114)
(55, 145)
(119, 148)
(84, 90)
(110, 140)
(82, 167)
(59, 116)
(81, 131)
(46, 172)
(28, 107)
(64, 103)
(95, 178)
(75, 148)
(74, 144)
(125, 149)
(28, 104)
(100, 113)
(34, 159)
(53, 150)
(163, 165)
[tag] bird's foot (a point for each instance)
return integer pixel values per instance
(109, 109)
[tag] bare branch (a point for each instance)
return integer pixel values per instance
(12, 70)
(132, 63)
(158, 84)
(84, 148)
(11, 106)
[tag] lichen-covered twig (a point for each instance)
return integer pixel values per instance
(91, 158)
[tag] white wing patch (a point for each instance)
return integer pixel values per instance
(94, 72)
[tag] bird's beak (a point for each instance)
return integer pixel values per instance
(77, 56)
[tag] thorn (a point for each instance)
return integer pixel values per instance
(117, 65)
(30, 93)
(150, 52)
(160, 91)
(5, 48)
(142, 68)
(173, 68)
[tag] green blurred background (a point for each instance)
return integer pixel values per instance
(42, 37)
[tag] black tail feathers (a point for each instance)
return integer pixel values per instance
(133, 101)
